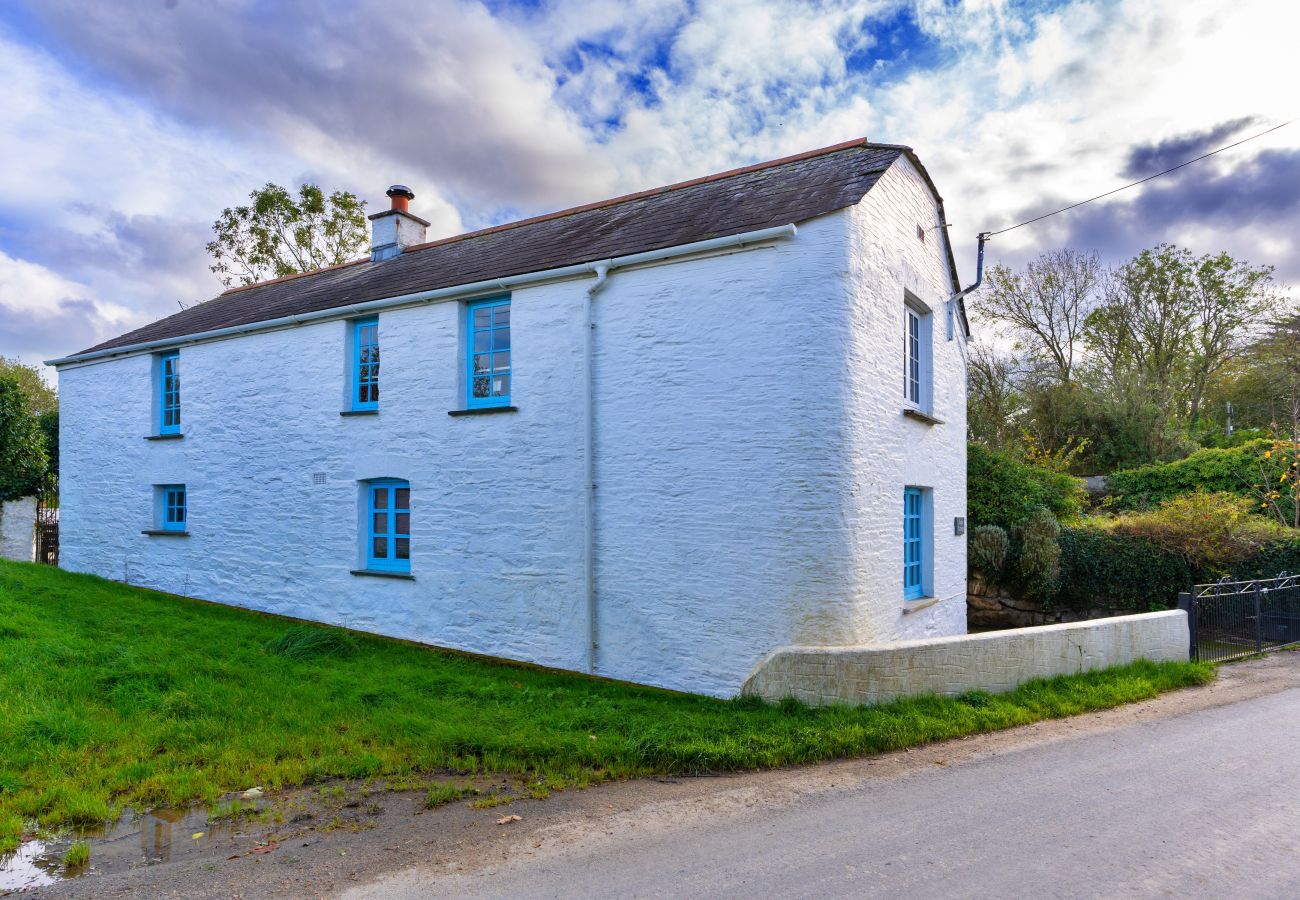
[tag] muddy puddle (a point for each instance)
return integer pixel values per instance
(136, 839)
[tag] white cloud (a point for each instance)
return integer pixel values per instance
(43, 313)
(115, 172)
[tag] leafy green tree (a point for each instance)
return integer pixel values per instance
(41, 397)
(280, 234)
(1170, 323)
(50, 428)
(23, 460)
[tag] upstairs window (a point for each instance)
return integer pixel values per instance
(916, 357)
(171, 507)
(489, 353)
(365, 363)
(388, 541)
(169, 392)
(914, 550)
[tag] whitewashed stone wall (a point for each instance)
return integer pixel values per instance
(18, 529)
(994, 661)
(750, 458)
(888, 450)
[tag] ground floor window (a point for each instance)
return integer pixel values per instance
(171, 507)
(388, 541)
(915, 537)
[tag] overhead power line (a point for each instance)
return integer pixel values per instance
(1140, 181)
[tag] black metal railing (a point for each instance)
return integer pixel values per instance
(1231, 619)
(47, 535)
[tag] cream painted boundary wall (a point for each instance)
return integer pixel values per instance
(995, 661)
(18, 529)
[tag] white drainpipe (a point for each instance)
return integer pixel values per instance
(602, 271)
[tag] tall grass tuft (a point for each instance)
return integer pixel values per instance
(76, 856)
(306, 642)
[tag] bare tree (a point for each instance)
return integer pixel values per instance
(994, 403)
(1046, 306)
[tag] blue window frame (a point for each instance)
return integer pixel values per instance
(365, 363)
(173, 507)
(913, 544)
(169, 392)
(912, 356)
(388, 524)
(488, 379)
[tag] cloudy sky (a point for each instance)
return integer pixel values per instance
(125, 127)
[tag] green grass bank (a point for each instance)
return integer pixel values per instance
(115, 696)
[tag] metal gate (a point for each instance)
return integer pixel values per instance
(47, 535)
(1231, 619)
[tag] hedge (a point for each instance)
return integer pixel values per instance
(1002, 490)
(1104, 570)
(1235, 470)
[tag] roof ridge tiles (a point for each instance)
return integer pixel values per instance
(587, 207)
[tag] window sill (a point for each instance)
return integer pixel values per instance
(159, 532)
(919, 416)
(359, 412)
(376, 573)
(482, 410)
(164, 437)
(920, 603)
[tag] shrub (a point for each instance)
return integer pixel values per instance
(1039, 561)
(1212, 532)
(989, 546)
(1105, 569)
(1234, 470)
(1004, 491)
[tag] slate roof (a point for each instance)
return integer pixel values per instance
(793, 189)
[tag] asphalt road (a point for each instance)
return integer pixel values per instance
(1199, 805)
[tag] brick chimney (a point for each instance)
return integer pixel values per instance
(395, 229)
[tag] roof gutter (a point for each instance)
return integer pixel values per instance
(419, 297)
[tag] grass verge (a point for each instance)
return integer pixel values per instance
(112, 695)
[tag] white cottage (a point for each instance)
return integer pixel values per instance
(651, 438)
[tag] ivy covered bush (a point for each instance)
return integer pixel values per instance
(1005, 491)
(1235, 470)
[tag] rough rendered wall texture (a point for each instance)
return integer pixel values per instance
(746, 496)
(995, 661)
